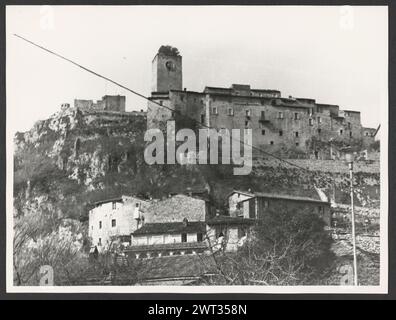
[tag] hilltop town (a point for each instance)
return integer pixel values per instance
(86, 164)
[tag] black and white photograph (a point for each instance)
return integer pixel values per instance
(197, 149)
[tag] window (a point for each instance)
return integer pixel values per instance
(214, 110)
(310, 122)
(319, 131)
(271, 142)
(184, 237)
(114, 205)
(100, 242)
(100, 224)
(297, 144)
(248, 113)
(199, 237)
(182, 98)
(319, 120)
(202, 118)
(263, 132)
(263, 115)
(113, 223)
(280, 115)
(296, 116)
(349, 125)
(341, 132)
(367, 134)
(280, 133)
(160, 102)
(350, 134)
(246, 123)
(320, 209)
(296, 134)
(230, 111)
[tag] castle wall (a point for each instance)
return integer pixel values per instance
(108, 103)
(114, 103)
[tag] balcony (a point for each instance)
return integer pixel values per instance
(167, 246)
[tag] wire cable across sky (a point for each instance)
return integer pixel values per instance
(155, 102)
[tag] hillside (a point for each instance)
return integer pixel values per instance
(75, 157)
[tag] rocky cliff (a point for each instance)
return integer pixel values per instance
(75, 157)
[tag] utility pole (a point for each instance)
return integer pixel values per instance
(355, 274)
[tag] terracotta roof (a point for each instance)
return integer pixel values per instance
(96, 203)
(247, 193)
(171, 227)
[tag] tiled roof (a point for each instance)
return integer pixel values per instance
(106, 201)
(171, 227)
(286, 197)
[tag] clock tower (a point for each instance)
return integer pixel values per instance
(167, 70)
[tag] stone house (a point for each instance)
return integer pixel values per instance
(278, 123)
(113, 220)
(258, 204)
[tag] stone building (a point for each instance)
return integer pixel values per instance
(176, 225)
(113, 220)
(108, 103)
(256, 205)
(278, 123)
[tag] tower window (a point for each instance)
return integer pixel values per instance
(349, 125)
(114, 205)
(100, 224)
(296, 116)
(341, 132)
(319, 120)
(280, 133)
(230, 111)
(184, 237)
(310, 122)
(113, 223)
(350, 134)
(202, 118)
(319, 131)
(296, 134)
(263, 115)
(214, 110)
(100, 242)
(246, 123)
(271, 142)
(248, 113)
(297, 144)
(263, 132)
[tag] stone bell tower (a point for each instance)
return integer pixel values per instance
(167, 70)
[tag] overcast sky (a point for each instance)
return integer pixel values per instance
(332, 54)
